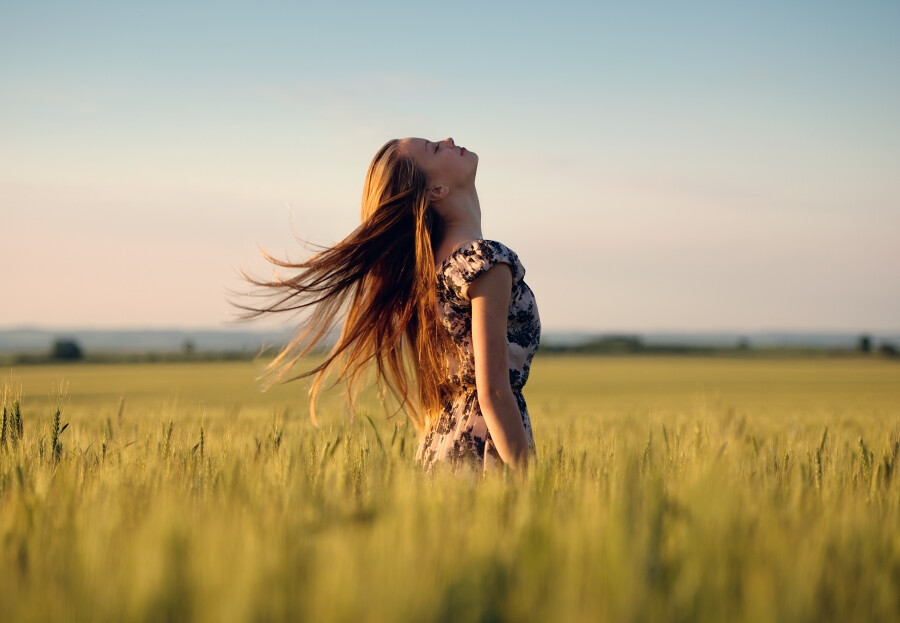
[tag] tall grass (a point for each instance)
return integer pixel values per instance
(664, 490)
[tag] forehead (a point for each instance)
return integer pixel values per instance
(414, 146)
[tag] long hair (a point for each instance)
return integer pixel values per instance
(382, 278)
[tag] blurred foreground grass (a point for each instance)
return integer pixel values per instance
(682, 489)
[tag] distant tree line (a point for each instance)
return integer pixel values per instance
(66, 350)
(866, 346)
(628, 345)
(63, 350)
(69, 350)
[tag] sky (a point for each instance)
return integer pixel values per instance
(697, 166)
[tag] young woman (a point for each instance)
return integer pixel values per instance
(428, 302)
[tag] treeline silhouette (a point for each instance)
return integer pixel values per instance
(67, 350)
(635, 345)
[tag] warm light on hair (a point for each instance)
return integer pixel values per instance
(382, 277)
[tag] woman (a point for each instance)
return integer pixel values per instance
(417, 280)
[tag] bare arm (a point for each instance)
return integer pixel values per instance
(490, 295)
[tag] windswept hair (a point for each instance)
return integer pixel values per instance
(382, 277)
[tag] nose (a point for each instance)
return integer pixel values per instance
(450, 141)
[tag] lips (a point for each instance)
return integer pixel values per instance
(462, 151)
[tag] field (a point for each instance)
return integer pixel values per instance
(671, 489)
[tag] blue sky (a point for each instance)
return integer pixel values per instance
(666, 166)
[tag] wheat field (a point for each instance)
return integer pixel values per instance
(666, 489)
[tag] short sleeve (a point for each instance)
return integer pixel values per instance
(475, 258)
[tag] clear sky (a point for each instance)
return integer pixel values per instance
(671, 166)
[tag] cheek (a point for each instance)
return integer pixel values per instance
(458, 163)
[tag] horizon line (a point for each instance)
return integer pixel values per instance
(545, 330)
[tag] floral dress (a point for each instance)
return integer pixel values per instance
(461, 435)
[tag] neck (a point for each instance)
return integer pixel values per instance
(461, 216)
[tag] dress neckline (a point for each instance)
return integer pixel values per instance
(440, 266)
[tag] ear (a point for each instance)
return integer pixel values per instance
(436, 193)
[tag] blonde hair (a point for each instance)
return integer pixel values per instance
(382, 276)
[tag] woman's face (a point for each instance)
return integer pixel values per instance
(444, 162)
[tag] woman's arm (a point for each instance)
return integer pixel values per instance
(490, 294)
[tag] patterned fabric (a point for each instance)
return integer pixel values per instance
(461, 435)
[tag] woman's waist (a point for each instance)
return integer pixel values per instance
(468, 385)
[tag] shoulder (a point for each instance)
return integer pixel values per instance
(476, 257)
(495, 282)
